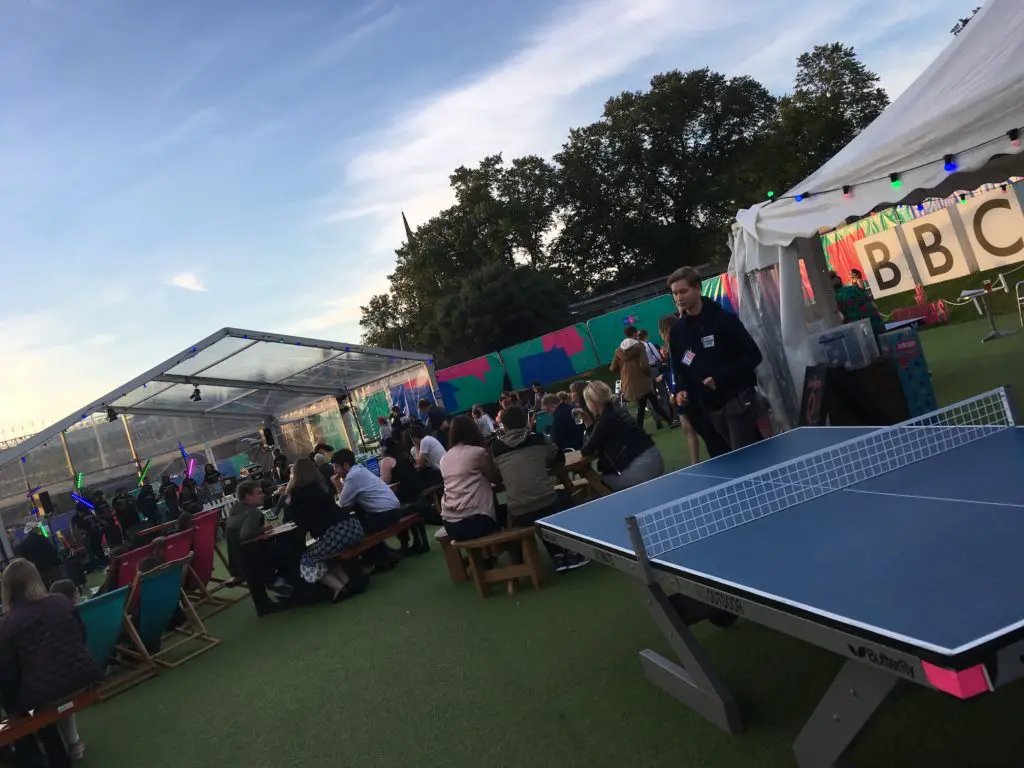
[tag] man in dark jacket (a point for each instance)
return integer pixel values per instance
(38, 550)
(713, 362)
(565, 432)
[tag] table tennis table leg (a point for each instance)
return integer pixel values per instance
(695, 683)
(854, 696)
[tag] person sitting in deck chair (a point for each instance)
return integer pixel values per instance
(43, 658)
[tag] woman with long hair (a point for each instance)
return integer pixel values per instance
(43, 659)
(468, 509)
(626, 455)
(312, 508)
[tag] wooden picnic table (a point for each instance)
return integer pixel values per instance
(279, 530)
(576, 462)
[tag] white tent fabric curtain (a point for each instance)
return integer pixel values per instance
(963, 105)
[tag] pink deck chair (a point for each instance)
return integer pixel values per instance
(178, 545)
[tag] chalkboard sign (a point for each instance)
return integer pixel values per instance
(813, 412)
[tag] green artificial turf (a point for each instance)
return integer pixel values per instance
(422, 672)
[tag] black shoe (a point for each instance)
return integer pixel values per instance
(419, 549)
(267, 608)
(572, 561)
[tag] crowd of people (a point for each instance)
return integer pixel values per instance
(703, 379)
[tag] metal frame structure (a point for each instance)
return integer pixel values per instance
(358, 374)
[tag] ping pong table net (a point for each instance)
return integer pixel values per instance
(673, 525)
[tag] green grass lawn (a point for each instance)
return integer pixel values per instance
(422, 672)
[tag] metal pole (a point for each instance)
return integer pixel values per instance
(131, 445)
(67, 456)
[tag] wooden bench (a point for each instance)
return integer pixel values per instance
(380, 537)
(15, 728)
(452, 559)
(521, 541)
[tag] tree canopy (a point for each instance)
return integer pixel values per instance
(652, 185)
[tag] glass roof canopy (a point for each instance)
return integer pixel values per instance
(242, 376)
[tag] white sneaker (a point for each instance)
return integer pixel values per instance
(76, 751)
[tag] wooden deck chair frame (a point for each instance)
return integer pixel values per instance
(132, 671)
(199, 590)
(196, 632)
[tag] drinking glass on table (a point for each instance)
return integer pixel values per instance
(577, 416)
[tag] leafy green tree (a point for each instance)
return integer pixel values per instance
(835, 98)
(494, 307)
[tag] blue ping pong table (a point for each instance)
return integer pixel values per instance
(897, 548)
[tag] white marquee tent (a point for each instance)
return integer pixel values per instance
(968, 103)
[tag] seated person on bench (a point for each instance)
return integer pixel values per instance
(311, 506)
(397, 468)
(376, 505)
(468, 509)
(258, 564)
(43, 658)
(427, 453)
(525, 460)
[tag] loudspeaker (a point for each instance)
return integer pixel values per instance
(230, 485)
(267, 437)
(44, 502)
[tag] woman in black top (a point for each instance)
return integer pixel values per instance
(397, 466)
(626, 455)
(312, 508)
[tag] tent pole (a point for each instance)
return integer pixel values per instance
(67, 456)
(131, 444)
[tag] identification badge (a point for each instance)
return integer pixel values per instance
(688, 357)
(708, 341)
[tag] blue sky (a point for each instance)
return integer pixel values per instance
(167, 169)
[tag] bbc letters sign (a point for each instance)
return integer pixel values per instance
(986, 232)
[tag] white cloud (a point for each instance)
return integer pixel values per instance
(524, 105)
(187, 281)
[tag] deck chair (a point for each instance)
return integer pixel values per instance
(160, 592)
(204, 552)
(105, 620)
(178, 545)
(127, 564)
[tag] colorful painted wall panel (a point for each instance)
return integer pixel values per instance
(552, 357)
(607, 330)
(475, 381)
(407, 395)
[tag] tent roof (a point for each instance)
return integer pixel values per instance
(963, 104)
(242, 376)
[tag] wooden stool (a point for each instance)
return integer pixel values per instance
(452, 558)
(522, 539)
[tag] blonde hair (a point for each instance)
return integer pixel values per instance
(565, 397)
(305, 472)
(597, 395)
(21, 581)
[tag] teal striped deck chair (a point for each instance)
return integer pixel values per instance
(105, 621)
(160, 594)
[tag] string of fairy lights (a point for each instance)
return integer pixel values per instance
(949, 164)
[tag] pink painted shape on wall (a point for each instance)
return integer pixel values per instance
(478, 367)
(568, 339)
